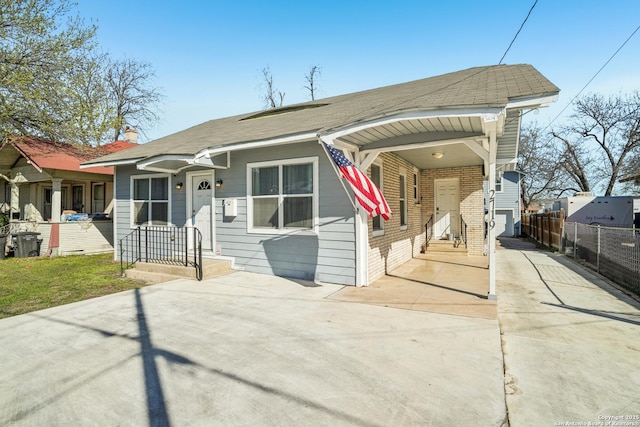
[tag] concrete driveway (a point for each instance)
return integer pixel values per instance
(247, 349)
(571, 342)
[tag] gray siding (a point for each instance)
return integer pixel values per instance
(508, 200)
(328, 256)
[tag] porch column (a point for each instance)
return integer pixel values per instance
(491, 235)
(56, 199)
(15, 201)
(362, 248)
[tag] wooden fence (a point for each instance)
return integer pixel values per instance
(546, 227)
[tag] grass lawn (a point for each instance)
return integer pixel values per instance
(30, 284)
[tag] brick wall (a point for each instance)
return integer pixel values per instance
(398, 244)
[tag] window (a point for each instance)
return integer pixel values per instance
(498, 184)
(150, 200)
(48, 199)
(403, 201)
(204, 185)
(282, 196)
(376, 178)
(98, 198)
(7, 193)
(416, 190)
(77, 192)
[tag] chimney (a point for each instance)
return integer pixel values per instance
(131, 135)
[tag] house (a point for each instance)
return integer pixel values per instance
(508, 203)
(262, 191)
(42, 185)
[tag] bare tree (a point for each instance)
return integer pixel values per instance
(133, 99)
(612, 127)
(273, 98)
(539, 166)
(575, 164)
(599, 145)
(314, 72)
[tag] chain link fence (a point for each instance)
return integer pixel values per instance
(613, 252)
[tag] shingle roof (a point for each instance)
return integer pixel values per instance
(46, 154)
(489, 86)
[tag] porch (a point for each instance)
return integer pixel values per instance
(446, 283)
(86, 236)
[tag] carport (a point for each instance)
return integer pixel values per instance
(432, 282)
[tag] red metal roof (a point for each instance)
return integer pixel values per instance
(45, 154)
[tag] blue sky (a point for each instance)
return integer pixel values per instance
(208, 55)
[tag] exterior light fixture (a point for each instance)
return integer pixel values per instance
(179, 186)
(437, 155)
(219, 183)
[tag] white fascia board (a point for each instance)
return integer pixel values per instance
(487, 114)
(111, 163)
(149, 161)
(256, 144)
(537, 102)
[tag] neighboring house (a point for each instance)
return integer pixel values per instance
(508, 203)
(42, 184)
(262, 190)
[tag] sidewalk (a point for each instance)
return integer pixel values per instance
(571, 341)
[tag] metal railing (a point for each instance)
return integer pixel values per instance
(428, 229)
(162, 245)
(463, 231)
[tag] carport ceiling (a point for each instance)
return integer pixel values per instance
(440, 134)
(454, 155)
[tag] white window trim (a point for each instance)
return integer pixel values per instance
(379, 163)
(403, 174)
(314, 230)
(500, 181)
(132, 200)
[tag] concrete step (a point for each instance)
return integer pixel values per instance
(448, 246)
(159, 273)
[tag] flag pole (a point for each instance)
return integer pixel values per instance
(338, 174)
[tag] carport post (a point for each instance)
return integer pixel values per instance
(492, 213)
(362, 245)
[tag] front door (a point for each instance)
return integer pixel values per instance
(447, 205)
(201, 207)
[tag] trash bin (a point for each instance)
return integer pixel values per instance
(26, 244)
(3, 244)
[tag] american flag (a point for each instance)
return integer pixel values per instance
(366, 192)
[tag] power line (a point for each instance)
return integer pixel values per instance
(519, 29)
(592, 78)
